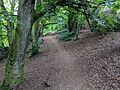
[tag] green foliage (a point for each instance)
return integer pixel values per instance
(55, 22)
(66, 36)
(3, 36)
(103, 19)
(8, 19)
(45, 5)
(34, 48)
(3, 30)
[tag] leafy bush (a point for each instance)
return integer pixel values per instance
(34, 47)
(66, 36)
(104, 18)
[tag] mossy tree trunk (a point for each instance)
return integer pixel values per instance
(14, 71)
(36, 33)
(10, 32)
(79, 26)
(38, 30)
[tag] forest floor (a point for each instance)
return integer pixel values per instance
(90, 63)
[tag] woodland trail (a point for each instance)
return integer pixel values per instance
(57, 69)
(91, 63)
(67, 78)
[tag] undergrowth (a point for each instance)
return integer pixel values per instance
(66, 35)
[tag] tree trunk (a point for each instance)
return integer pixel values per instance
(86, 13)
(70, 22)
(37, 30)
(10, 28)
(35, 36)
(14, 71)
(79, 26)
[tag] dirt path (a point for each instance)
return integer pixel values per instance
(56, 67)
(91, 63)
(68, 77)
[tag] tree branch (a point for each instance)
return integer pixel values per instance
(36, 16)
(49, 24)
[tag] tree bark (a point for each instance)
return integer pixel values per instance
(14, 71)
(79, 26)
(37, 30)
(10, 30)
(70, 22)
(35, 36)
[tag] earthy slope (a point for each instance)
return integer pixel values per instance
(91, 63)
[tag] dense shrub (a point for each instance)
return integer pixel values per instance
(66, 35)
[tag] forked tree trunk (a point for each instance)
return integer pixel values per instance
(14, 71)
